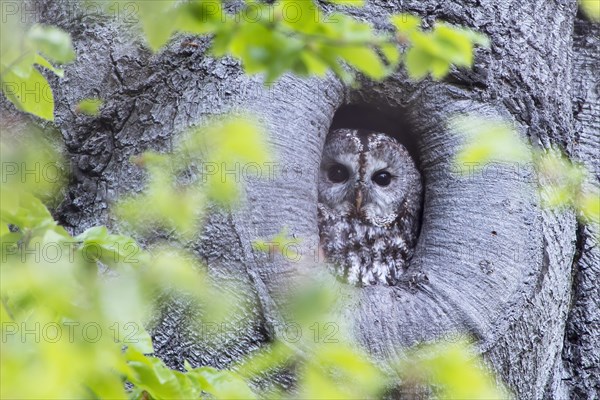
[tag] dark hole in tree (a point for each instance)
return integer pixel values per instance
(393, 123)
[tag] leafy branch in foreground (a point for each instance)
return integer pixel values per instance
(435, 51)
(287, 36)
(97, 288)
(297, 36)
(75, 310)
(181, 184)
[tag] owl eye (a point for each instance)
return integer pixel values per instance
(337, 173)
(382, 178)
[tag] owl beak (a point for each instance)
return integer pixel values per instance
(359, 199)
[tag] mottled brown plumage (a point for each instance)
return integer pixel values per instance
(369, 206)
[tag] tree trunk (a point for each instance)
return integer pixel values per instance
(581, 352)
(518, 278)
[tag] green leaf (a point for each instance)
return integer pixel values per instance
(561, 180)
(233, 145)
(97, 243)
(9, 206)
(141, 340)
(222, 42)
(277, 242)
(417, 63)
(435, 51)
(177, 269)
(364, 59)
(201, 17)
(475, 37)
(5, 232)
(340, 371)
(589, 206)
(453, 371)
(264, 360)
(222, 384)
(39, 60)
(262, 50)
(122, 301)
(17, 54)
(89, 106)
(53, 42)
(298, 17)
(349, 3)
(488, 140)
(391, 53)
(34, 151)
(30, 212)
(429, 54)
(452, 45)
(159, 21)
(406, 23)
(98, 233)
(22, 84)
(314, 64)
(152, 375)
(591, 8)
(32, 95)
(439, 68)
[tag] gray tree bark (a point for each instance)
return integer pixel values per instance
(581, 352)
(517, 278)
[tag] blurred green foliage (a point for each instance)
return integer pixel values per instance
(42, 177)
(89, 106)
(22, 49)
(561, 182)
(276, 243)
(181, 183)
(564, 183)
(298, 37)
(286, 36)
(455, 373)
(435, 51)
(591, 8)
(488, 140)
(65, 323)
(75, 308)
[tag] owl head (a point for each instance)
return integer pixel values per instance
(367, 175)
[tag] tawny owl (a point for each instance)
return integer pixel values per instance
(369, 206)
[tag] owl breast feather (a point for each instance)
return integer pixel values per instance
(364, 253)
